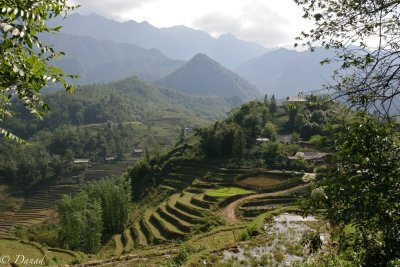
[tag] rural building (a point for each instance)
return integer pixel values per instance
(261, 140)
(137, 152)
(286, 139)
(310, 156)
(295, 99)
(81, 161)
(109, 158)
(189, 129)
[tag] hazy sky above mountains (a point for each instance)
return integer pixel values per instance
(269, 23)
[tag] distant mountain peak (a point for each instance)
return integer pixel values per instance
(204, 76)
(201, 57)
(227, 36)
(145, 22)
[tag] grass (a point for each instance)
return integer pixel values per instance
(15, 247)
(127, 240)
(178, 223)
(138, 236)
(262, 181)
(167, 230)
(228, 191)
(118, 245)
(56, 258)
(153, 231)
(53, 257)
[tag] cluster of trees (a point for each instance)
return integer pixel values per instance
(310, 118)
(147, 172)
(362, 191)
(52, 153)
(100, 210)
(238, 132)
(236, 136)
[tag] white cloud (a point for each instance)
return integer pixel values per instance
(109, 8)
(270, 23)
(260, 22)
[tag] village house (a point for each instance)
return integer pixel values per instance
(81, 161)
(295, 99)
(261, 140)
(310, 156)
(109, 158)
(137, 152)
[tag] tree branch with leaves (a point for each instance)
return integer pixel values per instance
(366, 36)
(25, 68)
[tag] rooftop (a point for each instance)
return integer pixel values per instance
(295, 99)
(309, 155)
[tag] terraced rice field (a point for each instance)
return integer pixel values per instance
(254, 207)
(195, 194)
(51, 256)
(261, 181)
(38, 204)
(228, 191)
(35, 209)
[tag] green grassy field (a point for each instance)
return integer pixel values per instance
(31, 250)
(228, 191)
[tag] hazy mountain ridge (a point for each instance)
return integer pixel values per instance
(204, 76)
(103, 61)
(113, 50)
(178, 42)
(286, 72)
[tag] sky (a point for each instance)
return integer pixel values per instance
(271, 23)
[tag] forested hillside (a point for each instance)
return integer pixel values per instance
(100, 120)
(128, 100)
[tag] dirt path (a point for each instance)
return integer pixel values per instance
(229, 212)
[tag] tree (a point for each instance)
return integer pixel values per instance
(114, 196)
(266, 101)
(270, 130)
(273, 106)
(24, 68)
(365, 36)
(363, 188)
(100, 210)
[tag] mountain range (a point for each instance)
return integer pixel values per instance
(103, 61)
(102, 50)
(286, 72)
(178, 42)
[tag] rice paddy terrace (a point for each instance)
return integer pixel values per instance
(38, 202)
(199, 194)
(38, 254)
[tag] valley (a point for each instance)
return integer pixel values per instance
(187, 198)
(131, 140)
